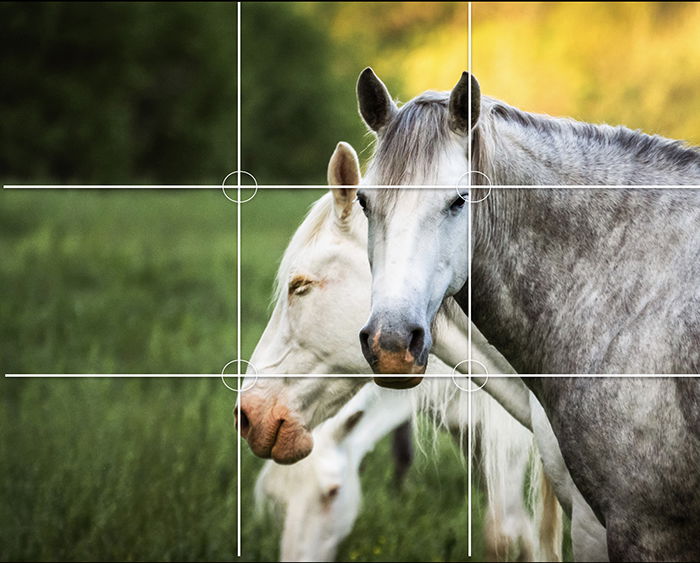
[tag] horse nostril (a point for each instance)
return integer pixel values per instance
(242, 423)
(416, 341)
(364, 343)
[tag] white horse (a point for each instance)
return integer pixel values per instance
(319, 497)
(326, 260)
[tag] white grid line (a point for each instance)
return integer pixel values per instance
(366, 375)
(469, 286)
(238, 275)
(364, 187)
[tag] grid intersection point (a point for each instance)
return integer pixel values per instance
(238, 388)
(468, 174)
(239, 187)
(469, 376)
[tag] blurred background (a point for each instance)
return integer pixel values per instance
(127, 281)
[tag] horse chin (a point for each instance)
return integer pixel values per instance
(398, 363)
(276, 432)
(398, 382)
(293, 444)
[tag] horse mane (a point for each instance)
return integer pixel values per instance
(410, 144)
(640, 145)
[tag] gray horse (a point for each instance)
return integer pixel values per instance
(565, 281)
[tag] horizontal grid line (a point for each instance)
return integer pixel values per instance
(364, 187)
(329, 375)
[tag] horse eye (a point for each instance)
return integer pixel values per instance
(299, 285)
(331, 493)
(362, 200)
(458, 204)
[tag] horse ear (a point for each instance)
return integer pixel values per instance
(374, 101)
(343, 170)
(461, 104)
(347, 426)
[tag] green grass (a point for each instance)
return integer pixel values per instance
(137, 469)
(118, 281)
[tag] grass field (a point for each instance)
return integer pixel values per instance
(127, 281)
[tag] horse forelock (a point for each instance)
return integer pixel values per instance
(410, 146)
(411, 143)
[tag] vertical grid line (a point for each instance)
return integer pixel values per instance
(469, 286)
(238, 274)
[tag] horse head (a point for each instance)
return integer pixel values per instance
(418, 233)
(317, 312)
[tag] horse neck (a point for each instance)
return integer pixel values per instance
(383, 412)
(522, 238)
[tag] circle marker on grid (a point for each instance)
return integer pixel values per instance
(223, 187)
(223, 376)
(454, 373)
(459, 185)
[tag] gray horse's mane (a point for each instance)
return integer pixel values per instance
(411, 143)
(641, 146)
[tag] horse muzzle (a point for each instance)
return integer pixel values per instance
(402, 350)
(272, 431)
